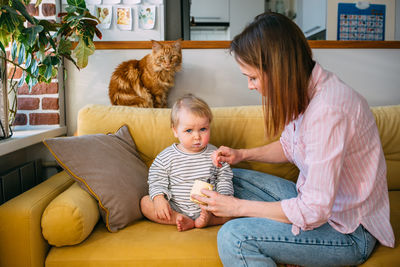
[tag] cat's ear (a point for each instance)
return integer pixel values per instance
(177, 44)
(156, 45)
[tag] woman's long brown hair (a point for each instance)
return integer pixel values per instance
(276, 46)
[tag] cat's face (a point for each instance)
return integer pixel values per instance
(167, 56)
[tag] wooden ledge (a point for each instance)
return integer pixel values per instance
(100, 45)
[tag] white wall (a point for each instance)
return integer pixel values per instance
(242, 13)
(397, 21)
(213, 75)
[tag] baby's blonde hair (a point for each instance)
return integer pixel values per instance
(195, 105)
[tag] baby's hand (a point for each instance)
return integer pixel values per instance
(162, 208)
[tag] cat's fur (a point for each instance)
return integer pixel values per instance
(145, 82)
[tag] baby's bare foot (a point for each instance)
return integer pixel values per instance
(184, 223)
(203, 219)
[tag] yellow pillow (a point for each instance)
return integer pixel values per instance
(70, 217)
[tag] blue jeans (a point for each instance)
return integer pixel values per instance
(264, 242)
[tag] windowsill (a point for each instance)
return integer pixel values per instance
(25, 138)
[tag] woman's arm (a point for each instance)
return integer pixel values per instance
(271, 153)
(228, 206)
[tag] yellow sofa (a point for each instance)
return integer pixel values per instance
(144, 243)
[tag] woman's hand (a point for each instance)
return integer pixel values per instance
(162, 208)
(226, 154)
(218, 204)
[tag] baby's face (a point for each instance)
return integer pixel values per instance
(192, 131)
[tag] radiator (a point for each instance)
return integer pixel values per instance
(19, 180)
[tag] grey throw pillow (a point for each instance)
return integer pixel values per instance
(109, 168)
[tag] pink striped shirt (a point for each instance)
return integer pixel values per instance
(335, 144)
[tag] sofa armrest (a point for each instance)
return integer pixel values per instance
(21, 240)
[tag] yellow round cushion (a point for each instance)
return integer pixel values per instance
(70, 217)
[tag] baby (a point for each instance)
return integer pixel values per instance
(176, 168)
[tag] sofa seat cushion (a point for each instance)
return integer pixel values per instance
(145, 243)
(142, 243)
(384, 256)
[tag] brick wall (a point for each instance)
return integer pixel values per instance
(40, 106)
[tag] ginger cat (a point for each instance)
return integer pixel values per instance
(145, 82)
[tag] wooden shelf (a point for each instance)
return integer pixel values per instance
(225, 44)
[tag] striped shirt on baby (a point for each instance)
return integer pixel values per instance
(173, 173)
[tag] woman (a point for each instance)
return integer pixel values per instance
(339, 206)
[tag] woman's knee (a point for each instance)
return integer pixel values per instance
(227, 237)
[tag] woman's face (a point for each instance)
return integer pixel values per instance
(253, 77)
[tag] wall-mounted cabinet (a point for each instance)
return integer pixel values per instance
(210, 11)
(221, 19)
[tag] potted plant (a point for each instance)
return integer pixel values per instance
(38, 46)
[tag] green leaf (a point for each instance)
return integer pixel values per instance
(40, 54)
(5, 37)
(70, 9)
(73, 18)
(2, 48)
(28, 60)
(14, 49)
(18, 5)
(10, 10)
(64, 30)
(72, 60)
(21, 54)
(27, 78)
(82, 52)
(32, 82)
(38, 2)
(77, 3)
(48, 72)
(49, 26)
(47, 61)
(53, 44)
(92, 17)
(43, 40)
(22, 80)
(34, 66)
(54, 72)
(64, 47)
(32, 32)
(54, 60)
(10, 20)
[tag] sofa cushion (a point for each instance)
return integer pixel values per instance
(388, 121)
(145, 243)
(237, 127)
(385, 256)
(70, 217)
(142, 243)
(109, 168)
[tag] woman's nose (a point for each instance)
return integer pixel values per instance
(250, 85)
